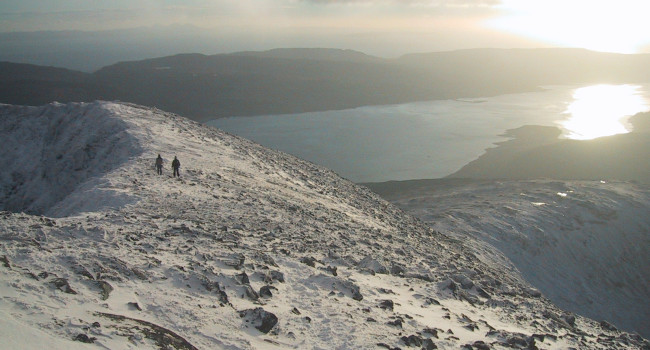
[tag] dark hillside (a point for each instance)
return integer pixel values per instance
(304, 80)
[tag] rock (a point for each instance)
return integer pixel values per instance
(428, 344)
(250, 292)
(480, 345)
(450, 284)
(309, 261)
(134, 305)
(332, 270)
(465, 282)
(214, 286)
(396, 323)
(236, 261)
(432, 331)
(533, 292)
(431, 301)
(274, 276)
(295, 311)
(162, 337)
(262, 320)
(570, 319)
(85, 339)
(607, 326)
(386, 304)
(267, 259)
(63, 285)
(242, 278)
(397, 270)
(105, 289)
(5, 262)
(412, 340)
(265, 291)
(481, 292)
(517, 340)
(354, 290)
(372, 265)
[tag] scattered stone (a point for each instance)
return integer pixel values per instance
(450, 284)
(84, 338)
(266, 259)
(482, 293)
(397, 270)
(433, 332)
(386, 304)
(428, 344)
(480, 345)
(134, 305)
(214, 286)
(236, 261)
(5, 262)
(262, 320)
(309, 261)
(385, 291)
(517, 340)
(274, 276)
(242, 278)
(412, 340)
(251, 293)
(465, 282)
(295, 311)
(570, 319)
(396, 323)
(63, 285)
(163, 337)
(332, 270)
(372, 265)
(105, 289)
(607, 326)
(265, 291)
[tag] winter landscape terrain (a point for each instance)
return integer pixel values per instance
(584, 244)
(255, 249)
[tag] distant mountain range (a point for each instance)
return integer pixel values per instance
(302, 80)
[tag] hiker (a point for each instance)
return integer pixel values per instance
(159, 164)
(176, 164)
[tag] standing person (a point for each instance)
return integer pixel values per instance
(176, 164)
(159, 164)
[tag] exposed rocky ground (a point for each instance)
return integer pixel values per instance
(248, 249)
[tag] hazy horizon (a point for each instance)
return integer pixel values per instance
(384, 28)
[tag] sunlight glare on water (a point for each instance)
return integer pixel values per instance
(601, 110)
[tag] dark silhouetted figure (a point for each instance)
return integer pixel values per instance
(176, 164)
(159, 164)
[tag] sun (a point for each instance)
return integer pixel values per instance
(610, 26)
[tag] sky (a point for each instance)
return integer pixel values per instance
(373, 26)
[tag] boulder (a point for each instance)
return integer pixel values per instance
(262, 320)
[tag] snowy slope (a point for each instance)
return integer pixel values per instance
(249, 249)
(584, 244)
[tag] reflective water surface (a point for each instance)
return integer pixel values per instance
(602, 110)
(433, 139)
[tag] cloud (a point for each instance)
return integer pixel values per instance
(435, 3)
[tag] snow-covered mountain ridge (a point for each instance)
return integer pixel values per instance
(584, 244)
(249, 249)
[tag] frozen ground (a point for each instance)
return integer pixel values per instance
(584, 244)
(249, 249)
